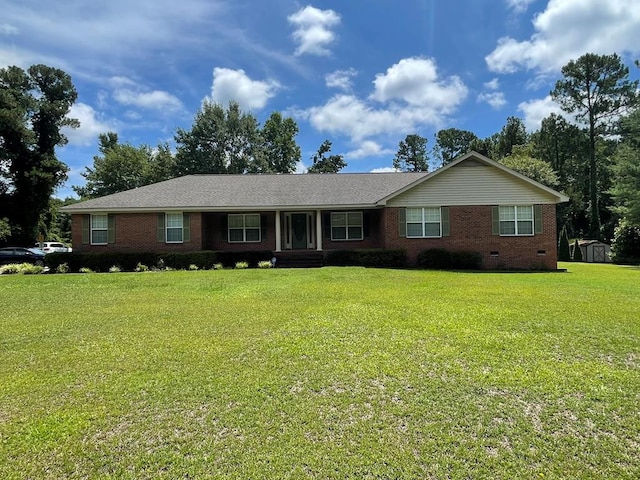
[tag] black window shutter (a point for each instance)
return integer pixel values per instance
(402, 222)
(86, 229)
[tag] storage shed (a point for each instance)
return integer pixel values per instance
(594, 251)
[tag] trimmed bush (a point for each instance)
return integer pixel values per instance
(62, 268)
(564, 253)
(625, 248)
(442, 259)
(229, 259)
(434, 258)
(241, 265)
(466, 260)
(382, 258)
(265, 264)
(577, 252)
(23, 268)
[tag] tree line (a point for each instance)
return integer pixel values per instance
(592, 152)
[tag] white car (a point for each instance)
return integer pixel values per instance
(50, 247)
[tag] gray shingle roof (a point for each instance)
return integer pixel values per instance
(254, 192)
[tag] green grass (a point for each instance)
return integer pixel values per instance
(321, 373)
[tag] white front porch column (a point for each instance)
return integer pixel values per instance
(318, 230)
(278, 232)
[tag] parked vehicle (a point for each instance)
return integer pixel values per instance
(50, 247)
(21, 255)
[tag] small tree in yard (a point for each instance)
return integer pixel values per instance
(577, 252)
(564, 254)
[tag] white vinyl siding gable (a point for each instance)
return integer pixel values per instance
(473, 184)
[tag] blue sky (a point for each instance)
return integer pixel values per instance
(361, 73)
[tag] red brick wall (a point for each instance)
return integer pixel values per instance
(214, 235)
(471, 229)
(137, 232)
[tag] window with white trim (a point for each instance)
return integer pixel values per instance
(244, 227)
(424, 222)
(516, 220)
(347, 226)
(173, 227)
(99, 229)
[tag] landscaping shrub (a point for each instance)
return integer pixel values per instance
(564, 253)
(10, 269)
(382, 258)
(241, 265)
(442, 259)
(265, 264)
(577, 252)
(434, 258)
(62, 268)
(625, 248)
(23, 268)
(115, 269)
(229, 259)
(466, 260)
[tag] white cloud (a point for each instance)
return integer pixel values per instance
(492, 85)
(410, 94)
(6, 29)
(368, 148)
(415, 81)
(340, 79)
(385, 170)
(313, 30)
(234, 85)
(156, 100)
(91, 125)
(519, 6)
(536, 110)
(495, 99)
(568, 29)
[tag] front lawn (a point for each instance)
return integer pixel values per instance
(321, 373)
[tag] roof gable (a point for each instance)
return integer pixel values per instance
(483, 181)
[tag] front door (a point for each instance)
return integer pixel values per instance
(299, 231)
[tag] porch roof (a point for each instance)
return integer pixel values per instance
(254, 192)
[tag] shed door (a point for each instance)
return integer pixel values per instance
(599, 253)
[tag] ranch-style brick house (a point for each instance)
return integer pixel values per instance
(473, 203)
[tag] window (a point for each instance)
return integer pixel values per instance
(516, 220)
(425, 222)
(173, 223)
(346, 226)
(99, 229)
(244, 227)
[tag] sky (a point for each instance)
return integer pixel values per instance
(361, 73)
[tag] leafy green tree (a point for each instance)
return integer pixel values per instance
(120, 167)
(412, 154)
(577, 252)
(626, 184)
(5, 229)
(512, 134)
(625, 248)
(279, 151)
(564, 253)
(451, 143)
(220, 141)
(326, 164)
(597, 89)
(34, 105)
(522, 161)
